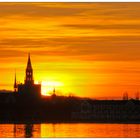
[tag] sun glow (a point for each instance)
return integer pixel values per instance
(47, 87)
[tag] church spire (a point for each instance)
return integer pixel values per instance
(29, 65)
(15, 84)
(29, 72)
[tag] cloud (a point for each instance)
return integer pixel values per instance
(96, 48)
(9, 53)
(109, 11)
(103, 26)
(23, 42)
(83, 10)
(73, 45)
(110, 48)
(34, 10)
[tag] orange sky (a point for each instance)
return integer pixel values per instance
(91, 49)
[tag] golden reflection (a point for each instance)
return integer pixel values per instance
(26, 130)
(90, 130)
(69, 130)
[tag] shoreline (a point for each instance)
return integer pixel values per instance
(65, 122)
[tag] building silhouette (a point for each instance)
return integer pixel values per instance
(125, 96)
(29, 89)
(15, 84)
(137, 95)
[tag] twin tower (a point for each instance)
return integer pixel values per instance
(28, 89)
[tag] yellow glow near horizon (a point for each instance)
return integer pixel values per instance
(47, 87)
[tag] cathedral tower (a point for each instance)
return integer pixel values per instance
(29, 90)
(29, 73)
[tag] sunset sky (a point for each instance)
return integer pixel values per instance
(87, 49)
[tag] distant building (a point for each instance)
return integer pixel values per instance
(15, 84)
(53, 95)
(125, 96)
(29, 89)
(137, 96)
(108, 110)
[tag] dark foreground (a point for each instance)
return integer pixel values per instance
(69, 110)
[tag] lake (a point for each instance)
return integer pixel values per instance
(69, 130)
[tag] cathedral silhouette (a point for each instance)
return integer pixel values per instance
(28, 89)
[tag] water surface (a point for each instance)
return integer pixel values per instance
(70, 130)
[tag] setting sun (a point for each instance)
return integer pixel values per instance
(47, 87)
